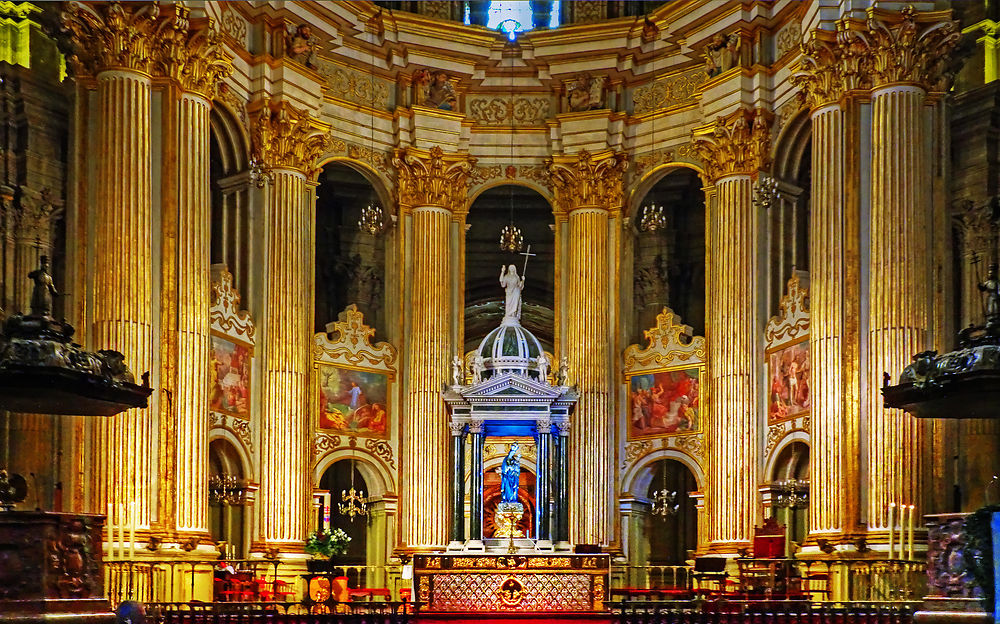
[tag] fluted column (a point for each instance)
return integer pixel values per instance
(905, 48)
(733, 150)
(588, 190)
(432, 186)
(288, 142)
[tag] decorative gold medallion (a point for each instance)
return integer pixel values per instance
(511, 592)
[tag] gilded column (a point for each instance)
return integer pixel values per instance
(196, 64)
(115, 43)
(906, 48)
(588, 189)
(733, 150)
(287, 141)
(432, 186)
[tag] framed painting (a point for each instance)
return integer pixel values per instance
(353, 401)
(788, 394)
(664, 402)
(230, 377)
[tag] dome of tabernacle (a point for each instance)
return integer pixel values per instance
(510, 348)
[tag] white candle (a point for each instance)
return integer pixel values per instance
(111, 533)
(121, 530)
(909, 551)
(892, 527)
(902, 529)
(132, 514)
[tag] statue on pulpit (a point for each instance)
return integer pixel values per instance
(510, 475)
(43, 291)
(512, 284)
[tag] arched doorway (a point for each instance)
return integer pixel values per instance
(790, 490)
(668, 260)
(672, 534)
(341, 476)
(227, 499)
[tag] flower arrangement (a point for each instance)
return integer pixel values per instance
(327, 543)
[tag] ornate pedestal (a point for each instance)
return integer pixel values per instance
(951, 597)
(512, 583)
(50, 568)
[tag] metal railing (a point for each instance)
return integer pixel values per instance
(759, 611)
(280, 613)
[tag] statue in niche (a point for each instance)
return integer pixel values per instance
(991, 287)
(301, 45)
(543, 366)
(456, 371)
(722, 53)
(44, 289)
(478, 366)
(434, 89)
(512, 285)
(510, 474)
(585, 93)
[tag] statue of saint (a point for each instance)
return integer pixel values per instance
(543, 367)
(512, 284)
(510, 475)
(562, 375)
(992, 289)
(478, 366)
(43, 291)
(456, 371)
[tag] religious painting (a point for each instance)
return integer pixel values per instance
(230, 377)
(664, 402)
(353, 402)
(788, 393)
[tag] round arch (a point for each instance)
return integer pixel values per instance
(636, 480)
(376, 475)
(231, 138)
(648, 180)
(797, 435)
(246, 466)
(790, 145)
(373, 177)
(538, 188)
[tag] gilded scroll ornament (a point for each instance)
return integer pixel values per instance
(433, 178)
(115, 35)
(588, 181)
(670, 342)
(793, 313)
(285, 137)
(192, 54)
(737, 144)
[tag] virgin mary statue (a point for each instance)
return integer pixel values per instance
(512, 285)
(510, 475)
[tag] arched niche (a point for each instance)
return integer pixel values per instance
(339, 477)
(228, 516)
(668, 261)
(787, 219)
(661, 516)
(490, 211)
(232, 240)
(350, 263)
(789, 486)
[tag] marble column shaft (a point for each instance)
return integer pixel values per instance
(123, 266)
(284, 419)
(476, 482)
(899, 299)
(457, 485)
(544, 480)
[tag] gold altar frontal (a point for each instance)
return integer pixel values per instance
(501, 583)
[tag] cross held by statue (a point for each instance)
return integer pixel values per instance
(527, 253)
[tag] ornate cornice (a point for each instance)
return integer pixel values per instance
(587, 181)
(192, 55)
(433, 178)
(110, 36)
(285, 137)
(739, 144)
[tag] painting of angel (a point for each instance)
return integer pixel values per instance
(353, 401)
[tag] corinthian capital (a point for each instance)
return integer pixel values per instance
(433, 178)
(112, 35)
(587, 181)
(191, 53)
(912, 47)
(833, 63)
(737, 144)
(285, 137)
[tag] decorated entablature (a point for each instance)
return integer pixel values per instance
(788, 365)
(353, 395)
(233, 338)
(664, 398)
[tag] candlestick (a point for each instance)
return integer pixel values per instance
(892, 527)
(909, 551)
(121, 530)
(132, 512)
(111, 533)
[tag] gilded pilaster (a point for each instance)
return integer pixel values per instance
(288, 142)
(115, 43)
(432, 187)
(588, 190)
(907, 55)
(733, 151)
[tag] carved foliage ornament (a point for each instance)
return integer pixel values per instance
(588, 181)
(433, 179)
(285, 137)
(737, 144)
(136, 36)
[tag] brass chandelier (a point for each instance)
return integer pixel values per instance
(511, 238)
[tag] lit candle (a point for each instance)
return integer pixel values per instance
(111, 533)
(892, 527)
(902, 529)
(909, 551)
(132, 512)
(121, 530)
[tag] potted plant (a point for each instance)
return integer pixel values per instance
(324, 545)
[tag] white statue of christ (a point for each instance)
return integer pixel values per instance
(512, 284)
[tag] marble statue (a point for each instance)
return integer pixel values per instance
(543, 367)
(510, 475)
(992, 289)
(478, 366)
(43, 291)
(512, 284)
(456, 371)
(562, 375)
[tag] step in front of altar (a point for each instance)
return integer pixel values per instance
(472, 583)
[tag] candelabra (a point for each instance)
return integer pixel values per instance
(355, 503)
(665, 503)
(371, 221)
(652, 218)
(791, 493)
(511, 239)
(227, 490)
(765, 191)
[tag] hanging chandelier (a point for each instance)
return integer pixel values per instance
(665, 503)
(511, 238)
(765, 191)
(354, 501)
(791, 493)
(652, 218)
(372, 221)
